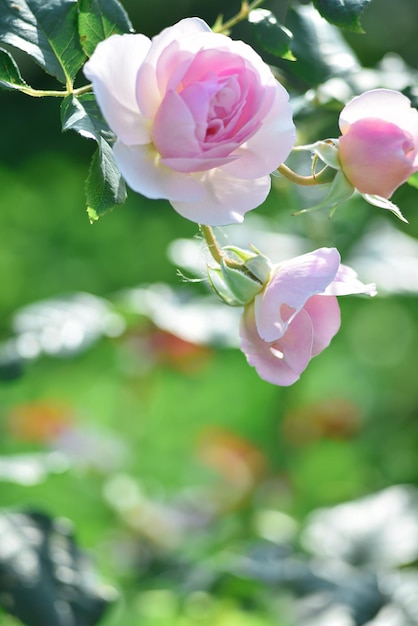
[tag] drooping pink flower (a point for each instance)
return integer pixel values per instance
(297, 314)
(199, 118)
(378, 150)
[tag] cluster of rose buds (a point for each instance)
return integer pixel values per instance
(201, 121)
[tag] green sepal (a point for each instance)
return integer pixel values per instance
(241, 282)
(217, 283)
(340, 190)
(326, 150)
(384, 203)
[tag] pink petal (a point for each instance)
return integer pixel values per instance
(271, 144)
(194, 165)
(226, 198)
(291, 285)
(182, 37)
(173, 131)
(324, 312)
(386, 104)
(346, 283)
(113, 69)
(377, 156)
(141, 168)
(280, 362)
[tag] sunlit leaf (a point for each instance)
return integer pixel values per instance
(320, 50)
(10, 77)
(271, 35)
(98, 19)
(44, 578)
(343, 13)
(47, 31)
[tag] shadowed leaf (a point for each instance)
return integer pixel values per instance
(44, 578)
(343, 13)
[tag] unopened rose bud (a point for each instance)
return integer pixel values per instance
(378, 149)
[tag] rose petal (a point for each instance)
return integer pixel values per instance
(174, 128)
(271, 144)
(377, 156)
(292, 284)
(148, 89)
(280, 362)
(143, 171)
(115, 89)
(226, 198)
(386, 104)
(346, 283)
(324, 312)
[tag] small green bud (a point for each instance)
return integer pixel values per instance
(244, 281)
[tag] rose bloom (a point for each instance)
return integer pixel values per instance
(200, 119)
(297, 314)
(378, 150)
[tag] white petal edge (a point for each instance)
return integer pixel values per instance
(140, 166)
(226, 198)
(113, 69)
(385, 104)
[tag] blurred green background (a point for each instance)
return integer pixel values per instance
(152, 425)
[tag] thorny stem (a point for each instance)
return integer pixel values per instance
(224, 27)
(41, 93)
(307, 181)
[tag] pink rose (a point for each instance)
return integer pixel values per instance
(297, 314)
(378, 150)
(200, 119)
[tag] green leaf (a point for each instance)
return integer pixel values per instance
(47, 31)
(105, 188)
(82, 114)
(413, 180)
(271, 35)
(10, 77)
(36, 551)
(319, 48)
(343, 13)
(98, 19)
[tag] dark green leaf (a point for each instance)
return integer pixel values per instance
(271, 35)
(105, 188)
(10, 77)
(83, 115)
(44, 578)
(98, 19)
(47, 31)
(319, 48)
(343, 13)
